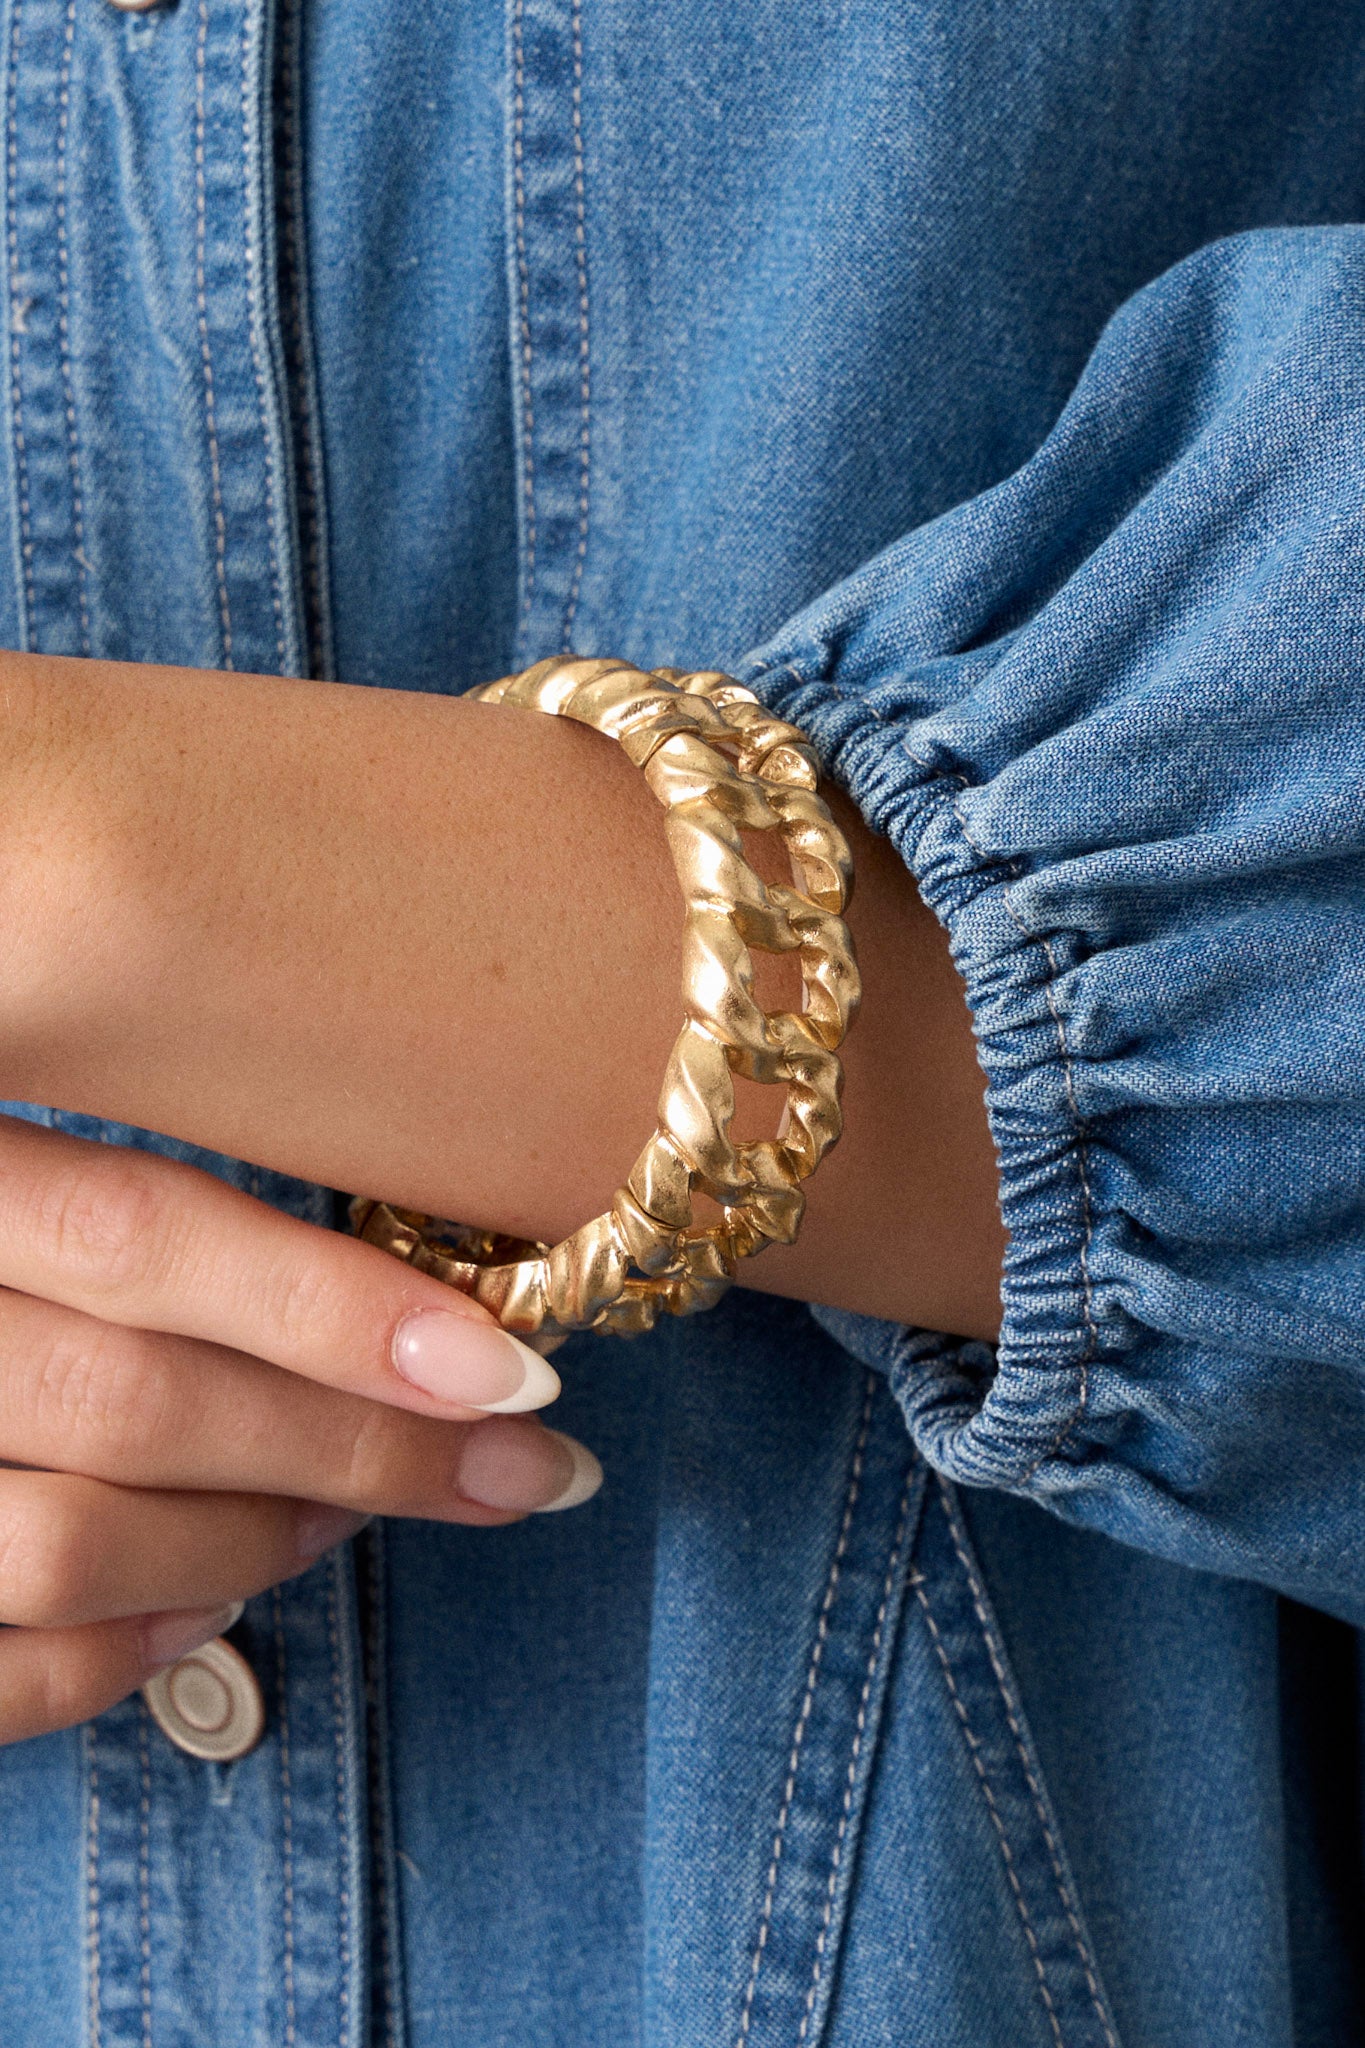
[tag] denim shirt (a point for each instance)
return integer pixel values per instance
(987, 386)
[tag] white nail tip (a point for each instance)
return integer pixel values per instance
(587, 1477)
(231, 1616)
(538, 1388)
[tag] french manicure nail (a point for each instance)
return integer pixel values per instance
(524, 1470)
(464, 1359)
(586, 1479)
(166, 1638)
(322, 1528)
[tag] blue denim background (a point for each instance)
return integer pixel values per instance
(405, 352)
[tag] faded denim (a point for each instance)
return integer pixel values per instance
(987, 386)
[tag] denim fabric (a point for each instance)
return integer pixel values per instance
(986, 384)
(1163, 935)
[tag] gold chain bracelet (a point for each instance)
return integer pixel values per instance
(721, 765)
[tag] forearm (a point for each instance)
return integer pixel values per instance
(428, 949)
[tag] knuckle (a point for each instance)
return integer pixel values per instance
(73, 1682)
(104, 1219)
(304, 1302)
(45, 1561)
(66, 1688)
(375, 1465)
(102, 1384)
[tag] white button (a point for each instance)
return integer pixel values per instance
(208, 1704)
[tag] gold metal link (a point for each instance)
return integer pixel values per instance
(721, 765)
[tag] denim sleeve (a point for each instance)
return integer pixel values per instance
(1112, 714)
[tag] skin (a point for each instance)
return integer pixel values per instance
(406, 945)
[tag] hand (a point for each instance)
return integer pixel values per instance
(200, 1395)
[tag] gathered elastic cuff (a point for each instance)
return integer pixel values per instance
(985, 1415)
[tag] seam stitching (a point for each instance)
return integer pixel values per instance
(251, 257)
(338, 1725)
(524, 298)
(291, 222)
(18, 313)
(995, 1652)
(803, 1716)
(860, 1729)
(584, 338)
(384, 1902)
(92, 1882)
(64, 326)
(286, 1824)
(205, 349)
(144, 1889)
(974, 1751)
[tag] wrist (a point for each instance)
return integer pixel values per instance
(372, 938)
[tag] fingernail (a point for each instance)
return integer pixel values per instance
(464, 1359)
(522, 1470)
(322, 1528)
(584, 1481)
(166, 1638)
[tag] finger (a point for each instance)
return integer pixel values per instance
(155, 1243)
(56, 1678)
(141, 1409)
(80, 1549)
(75, 1550)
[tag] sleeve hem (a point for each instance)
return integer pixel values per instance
(1003, 1428)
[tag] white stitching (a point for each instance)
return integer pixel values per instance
(64, 325)
(338, 1724)
(584, 353)
(251, 257)
(206, 352)
(803, 1717)
(287, 1825)
(995, 1653)
(18, 312)
(144, 1890)
(524, 297)
(973, 1750)
(860, 1728)
(92, 1883)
